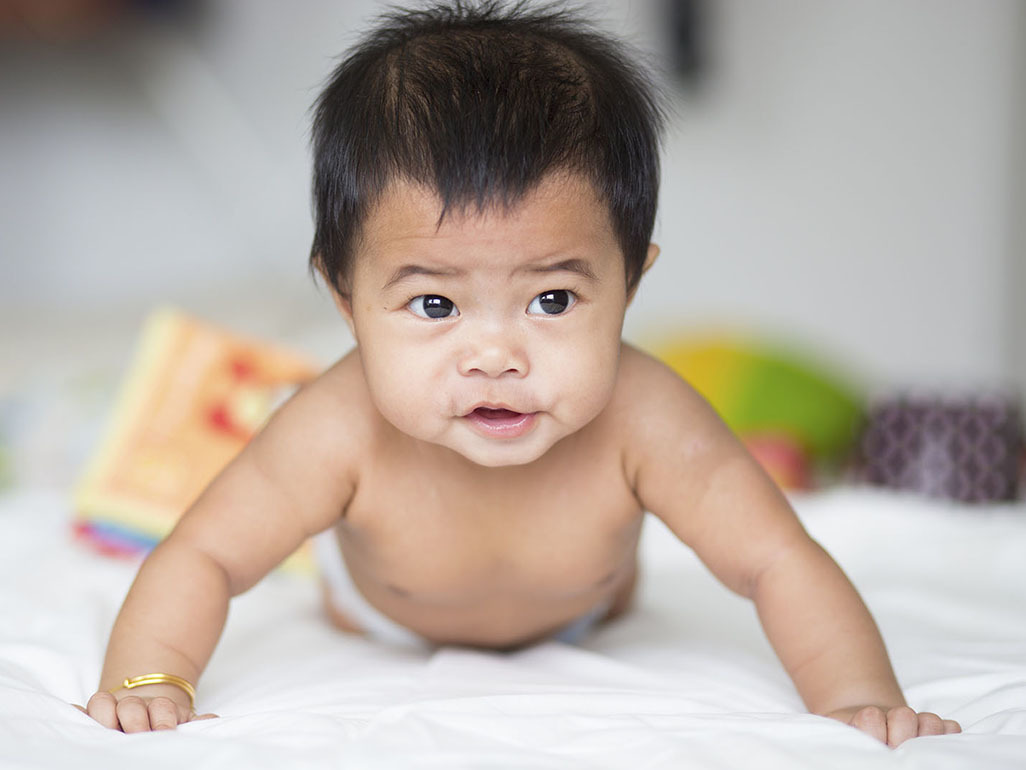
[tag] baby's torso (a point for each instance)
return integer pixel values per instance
(493, 558)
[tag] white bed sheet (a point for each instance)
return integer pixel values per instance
(687, 680)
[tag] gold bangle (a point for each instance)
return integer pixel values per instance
(145, 679)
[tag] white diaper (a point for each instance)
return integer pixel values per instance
(348, 600)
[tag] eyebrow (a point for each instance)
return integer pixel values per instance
(578, 266)
(404, 272)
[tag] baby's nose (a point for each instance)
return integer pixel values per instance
(496, 354)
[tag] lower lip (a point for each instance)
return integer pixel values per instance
(501, 423)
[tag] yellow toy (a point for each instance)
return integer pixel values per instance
(799, 420)
(193, 397)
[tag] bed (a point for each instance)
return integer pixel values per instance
(685, 680)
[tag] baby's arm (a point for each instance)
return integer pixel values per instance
(290, 482)
(689, 470)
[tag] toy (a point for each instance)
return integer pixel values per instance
(193, 397)
(797, 419)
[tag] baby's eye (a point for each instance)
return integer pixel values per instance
(552, 302)
(433, 306)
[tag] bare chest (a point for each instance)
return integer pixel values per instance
(553, 533)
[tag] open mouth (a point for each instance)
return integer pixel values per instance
(500, 423)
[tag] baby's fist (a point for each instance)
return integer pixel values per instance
(133, 713)
(896, 725)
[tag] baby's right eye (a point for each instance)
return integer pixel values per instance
(433, 306)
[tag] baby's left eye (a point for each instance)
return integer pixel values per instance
(552, 302)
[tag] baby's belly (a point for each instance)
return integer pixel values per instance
(502, 622)
(490, 610)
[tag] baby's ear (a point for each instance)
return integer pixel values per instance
(343, 301)
(650, 258)
(344, 304)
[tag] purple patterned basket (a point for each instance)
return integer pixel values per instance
(967, 449)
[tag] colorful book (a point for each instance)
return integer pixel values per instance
(194, 395)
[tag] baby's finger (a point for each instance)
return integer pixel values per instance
(951, 727)
(902, 724)
(871, 720)
(132, 715)
(930, 724)
(103, 708)
(197, 717)
(163, 714)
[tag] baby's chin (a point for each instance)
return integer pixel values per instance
(489, 452)
(492, 453)
(502, 459)
(498, 452)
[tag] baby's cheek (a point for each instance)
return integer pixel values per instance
(416, 405)
(392, 392)
(588, 384)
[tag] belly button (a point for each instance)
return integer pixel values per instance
(397, 590)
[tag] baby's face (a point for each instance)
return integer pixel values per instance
(495, 335)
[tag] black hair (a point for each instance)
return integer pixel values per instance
(479, 101)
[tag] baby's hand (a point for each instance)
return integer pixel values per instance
(896, 725)
(153, 707)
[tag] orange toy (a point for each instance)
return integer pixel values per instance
(194, 395)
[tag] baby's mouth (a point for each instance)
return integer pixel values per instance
(499, 422)
(496, 415)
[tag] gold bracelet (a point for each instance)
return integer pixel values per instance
(177, 681)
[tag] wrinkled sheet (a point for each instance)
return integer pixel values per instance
(687, 680)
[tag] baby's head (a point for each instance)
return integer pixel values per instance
(479, 102)
(485, 188)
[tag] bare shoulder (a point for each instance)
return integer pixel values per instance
(328, 419)
(670, 432)
(687, 467)
(641, 372)
(655, 403)
(339, 393)
(311, 449)
(295, 478)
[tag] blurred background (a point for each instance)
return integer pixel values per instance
(846, 177)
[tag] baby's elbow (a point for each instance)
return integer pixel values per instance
(192, 559)
(780, 565)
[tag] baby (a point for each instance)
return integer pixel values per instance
(479, 466)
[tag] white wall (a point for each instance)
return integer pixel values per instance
(844, 179)
(1015, 289)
